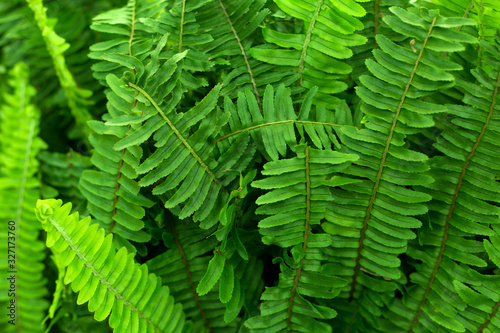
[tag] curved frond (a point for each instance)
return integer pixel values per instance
(274, 131)
(231, 23)
(109, 280)
(182, 161)
(78, 98)
(22, 253)
(463, 206)
(372, 220)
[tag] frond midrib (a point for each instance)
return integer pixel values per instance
(304, 247)
(276, 123)
(247, 63)
(307, 40)
(382, 163)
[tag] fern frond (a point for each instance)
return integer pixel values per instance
(109, 280)
(78, 98)
(480, 292)
(314, 54)
(297, 197)
(183, 161)
(462, 206)
(112, 192)
(373, 25)
(22, 253)
(372, 220)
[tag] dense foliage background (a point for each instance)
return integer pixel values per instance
(250, 166)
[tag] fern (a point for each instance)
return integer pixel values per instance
(373, 219)
(231, 23)
(273, 166)
(77, 97)
(460, 209)
(481, 293)
(109, 280)
(274, 131)
(22, 252)
(291, 181)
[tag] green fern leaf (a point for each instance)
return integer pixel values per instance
(231, 23)
(372, 221)
(63, 172)
(462, 208)
(183, 267)
(78, 98)
(23, 254)
(273, 132)
(127, 35)
(297, 197)
(109, 280)
(181, 26)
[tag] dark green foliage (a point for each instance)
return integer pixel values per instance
(251, 165)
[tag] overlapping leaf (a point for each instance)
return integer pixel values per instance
(463, 206)
(183, 30)
(371, 222)
(183, 268)
(232, 24)
(274, 131)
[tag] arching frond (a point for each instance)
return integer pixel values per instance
(372, 221)
(109, 280)
(78, 98)
(23, 288)
(461, 209)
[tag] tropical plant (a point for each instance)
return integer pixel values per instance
(250, 166)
